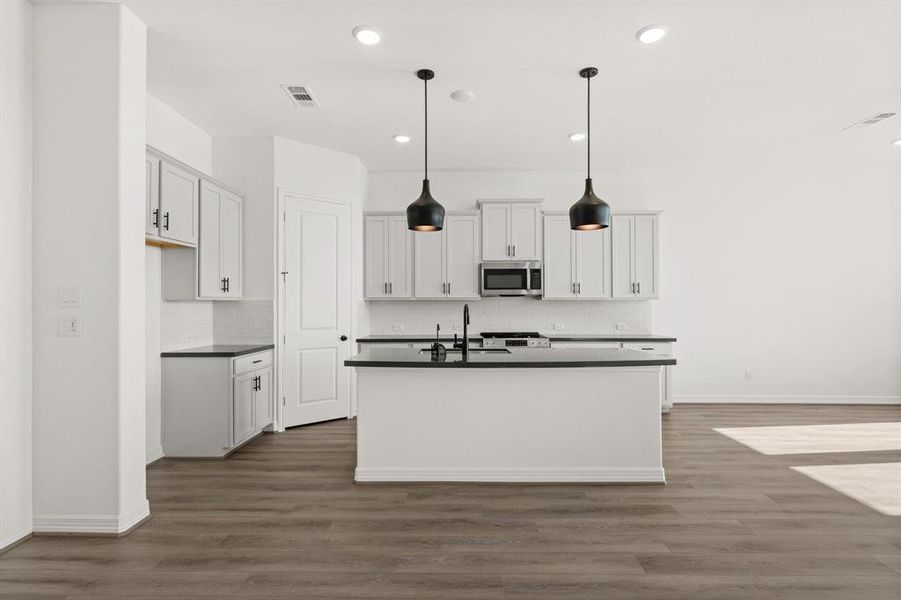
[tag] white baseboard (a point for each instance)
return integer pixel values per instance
(154, 455)
(797, 399)
(12, 538)
(514, 475)
(91, 524)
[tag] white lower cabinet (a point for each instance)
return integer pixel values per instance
(214, 404)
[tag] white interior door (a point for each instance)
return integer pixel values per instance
(314, 309)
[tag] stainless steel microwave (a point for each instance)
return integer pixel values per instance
(502, 278)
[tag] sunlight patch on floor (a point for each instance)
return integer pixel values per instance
(817, 439)
(878, 485)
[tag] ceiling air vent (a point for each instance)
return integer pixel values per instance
(300, 96)
(871, 120)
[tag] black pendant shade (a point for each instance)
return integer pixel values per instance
(590, 213)
(425, 213)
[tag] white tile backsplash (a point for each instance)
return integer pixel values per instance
(511, 314)
(185, 324)
(243, 322)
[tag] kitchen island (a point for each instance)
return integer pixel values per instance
(531, 415)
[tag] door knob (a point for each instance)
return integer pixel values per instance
(343, 338)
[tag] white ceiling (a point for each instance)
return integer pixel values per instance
(765, 76)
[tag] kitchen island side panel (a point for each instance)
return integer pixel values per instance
(528, 425)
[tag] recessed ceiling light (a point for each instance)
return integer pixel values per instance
(650, 34)
(897, 142)
(401, 138)
(462, 95)
(366, 35)
(577, 136)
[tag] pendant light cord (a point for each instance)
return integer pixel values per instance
(588, 110)
(426, 82)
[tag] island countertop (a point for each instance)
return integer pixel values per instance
(521, 358)
(554, 336)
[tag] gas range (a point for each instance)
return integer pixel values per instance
(513, 339)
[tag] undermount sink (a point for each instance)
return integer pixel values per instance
(473, 350)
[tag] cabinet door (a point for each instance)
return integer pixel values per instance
(622, 232)
(559, 259)
(262, 400)
(462, 255)
(242, 408)
(592, 249)
(645, 255)
(152, 195)
(525, 236)
(376, 257)
(400, 258)
(230, 244)
(211, 284)
(496, 243)
(178, 204)
(430, 262)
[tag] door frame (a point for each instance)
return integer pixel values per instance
(278, 292)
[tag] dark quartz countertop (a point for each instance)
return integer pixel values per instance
(218, 350)
(520, 358)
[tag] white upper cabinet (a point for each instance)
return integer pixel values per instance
(461, 233)
(219, 250)
(447, 262)
(389, 257)
(152, 195)
(178, 208)
(576, 263)
(511, 230)
(559, 268)
(636, 255)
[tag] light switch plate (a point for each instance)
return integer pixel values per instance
(69, 296)
(622, 326)
(397, 328)
(70, 326)
(558, 326)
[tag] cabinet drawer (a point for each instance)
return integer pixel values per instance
(651, 347)
(252, 362)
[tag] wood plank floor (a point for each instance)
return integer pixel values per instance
(282, 519)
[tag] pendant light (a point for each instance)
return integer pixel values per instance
(425, 213)
(590, 213)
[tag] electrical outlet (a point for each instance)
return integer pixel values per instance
(747, 374)
(558, 326)
(397, 328)
(69, 326)
(622, 326)
(69, 296)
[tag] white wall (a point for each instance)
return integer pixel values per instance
(15, 270)
(171, 325)
(169, 131)
(789, 266)
(89, 408)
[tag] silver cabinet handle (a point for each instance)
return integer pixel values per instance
(638, 285)
(448, 288)
(633, 287)
(390, 288)
(574, 287)
(443, 288)
(508, 249)
(386, 287)
(579, 287)
(514, 249)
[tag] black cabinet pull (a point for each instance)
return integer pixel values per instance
(166, 220)
(343, 338)
(222, 289)
(258, 361)
(156, 217)
(227, 284)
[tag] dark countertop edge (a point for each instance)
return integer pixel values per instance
(553, 338)
(513, 365)
(191, 352)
